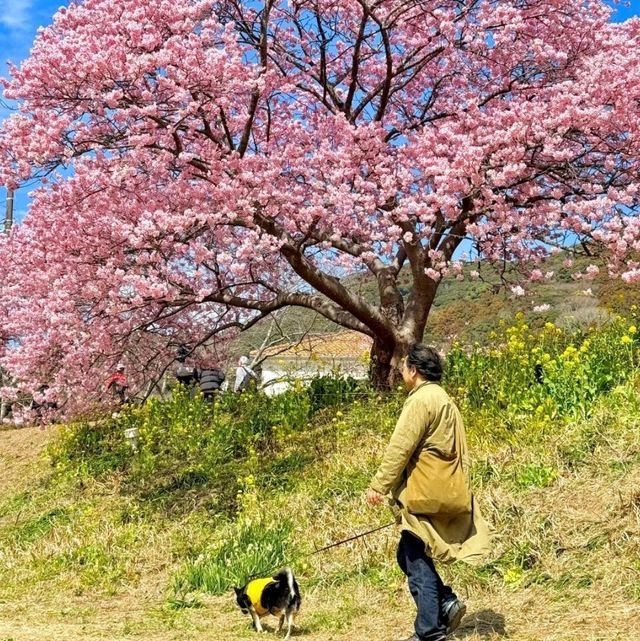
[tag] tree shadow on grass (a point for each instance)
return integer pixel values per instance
(485, 623)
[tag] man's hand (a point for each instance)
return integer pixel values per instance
(374, 498)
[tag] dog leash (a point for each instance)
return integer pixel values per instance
(352, 538)
(329, 547)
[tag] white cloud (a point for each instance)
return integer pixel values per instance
(14, 14)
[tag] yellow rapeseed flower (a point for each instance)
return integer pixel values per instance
(626, 340)
(569, 352)
(632, 330)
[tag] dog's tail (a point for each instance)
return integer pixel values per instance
(286, 576)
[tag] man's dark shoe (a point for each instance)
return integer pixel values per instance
(415, 637)
(452, 613)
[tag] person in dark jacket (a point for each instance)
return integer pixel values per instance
(210, 381)
(187, 375)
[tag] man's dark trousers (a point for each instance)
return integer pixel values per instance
(426, 586)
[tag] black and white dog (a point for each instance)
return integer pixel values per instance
(278, 595)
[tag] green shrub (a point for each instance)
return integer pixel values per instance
(332, 390)
(548, 372)
(90, 448)
(252, 549)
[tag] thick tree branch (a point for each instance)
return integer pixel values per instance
(328, 285)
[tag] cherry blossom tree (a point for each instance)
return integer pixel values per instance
(206, 163)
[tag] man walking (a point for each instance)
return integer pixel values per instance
(425, 470)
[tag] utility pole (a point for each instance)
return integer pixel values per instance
(8, 223)
(8, 217)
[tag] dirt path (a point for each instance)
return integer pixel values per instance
(519, 616)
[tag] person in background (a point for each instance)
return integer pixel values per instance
(210, 381)
(117, 384)
(185, 374)
(425, 472)
(244, 374)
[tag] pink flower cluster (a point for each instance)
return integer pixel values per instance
(208, 163)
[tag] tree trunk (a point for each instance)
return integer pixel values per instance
(385, 368)
(386, 355)
(380, 367)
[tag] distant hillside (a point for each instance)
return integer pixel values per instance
(468, 309)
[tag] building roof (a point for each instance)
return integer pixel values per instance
(343, 345)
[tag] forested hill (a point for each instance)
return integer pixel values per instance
(468, 309)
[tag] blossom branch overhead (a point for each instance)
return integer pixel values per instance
(203, 156)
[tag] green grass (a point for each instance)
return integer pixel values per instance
(253, 550)
(31, 530)
(214, 497)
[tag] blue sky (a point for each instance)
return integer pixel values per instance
(20, 19)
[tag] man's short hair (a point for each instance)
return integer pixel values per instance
(426, 360)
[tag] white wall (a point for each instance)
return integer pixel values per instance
(304, 370)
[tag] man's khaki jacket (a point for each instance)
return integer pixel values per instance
(429, 420)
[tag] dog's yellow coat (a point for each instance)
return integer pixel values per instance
(254, 592)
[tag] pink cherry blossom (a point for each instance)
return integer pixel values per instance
(209, 163)
(592, 271)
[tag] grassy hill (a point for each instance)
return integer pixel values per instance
(100, 541)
